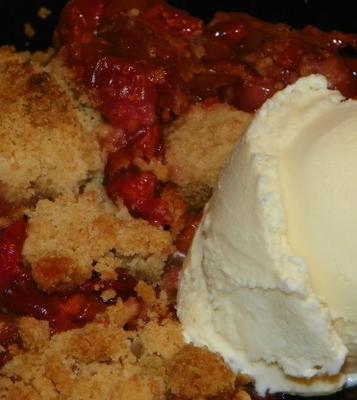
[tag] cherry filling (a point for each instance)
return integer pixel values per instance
(137, 189)
(11, 241)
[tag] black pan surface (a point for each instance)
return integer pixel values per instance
(333, 15)
(327, 15)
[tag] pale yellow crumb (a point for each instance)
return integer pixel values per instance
(29, 30)
(108, 294)
(44, 12)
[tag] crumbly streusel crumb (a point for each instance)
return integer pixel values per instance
(44, 148)
(97, 361)
(196, 372)
(198, 144)
(67, 237)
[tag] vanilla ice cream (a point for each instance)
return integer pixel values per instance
(271, 277)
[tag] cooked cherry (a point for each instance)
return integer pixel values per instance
(11, 242)
(137, 190)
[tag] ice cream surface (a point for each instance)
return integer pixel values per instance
(271, 276)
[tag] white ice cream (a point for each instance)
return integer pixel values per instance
(271, 278)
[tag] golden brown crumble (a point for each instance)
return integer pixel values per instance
(87, 231)
(45, 150)
(197, 145)
(29, 30)
(196, 372)
(44, 12)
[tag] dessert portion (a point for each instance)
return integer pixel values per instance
(269, 281)
(111, 143)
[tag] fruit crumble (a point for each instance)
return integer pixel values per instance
(109, 149)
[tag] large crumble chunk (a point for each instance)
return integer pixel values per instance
(199, 143)
(196, 372)
(44, 149)
(71, 236)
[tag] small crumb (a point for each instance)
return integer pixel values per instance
(108, 295)
(43, 57)
(134, 12)
(44, 12)
(146, 292)
(29, 30)
(155, 166)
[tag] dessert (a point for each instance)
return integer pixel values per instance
(270, 274)
(100, 196)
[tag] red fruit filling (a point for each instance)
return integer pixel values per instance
(80, 19)
(138, 191)
(165, 19)
(11, 241)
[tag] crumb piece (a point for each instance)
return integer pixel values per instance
(198, 144)
(146, 292)
(244, 380)
(44, 12)
(35, 334)
(87, 231)
(155, 166)
(106, 266)
(176, 206)
(91, 344)
(55, 273)
(164, 339)
(29, 31)
(108, 295)
(43, 57)
(120, 313)
(195, 371)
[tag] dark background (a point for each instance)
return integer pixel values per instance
(327, 15)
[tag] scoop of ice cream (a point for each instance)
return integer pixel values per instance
(270, 279)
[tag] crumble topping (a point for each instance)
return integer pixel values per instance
(197, 145)
(89, 233)
(44, 149)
